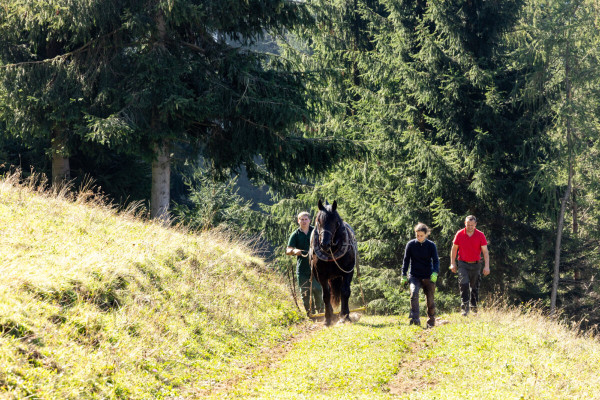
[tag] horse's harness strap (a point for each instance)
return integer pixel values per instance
(348, 242)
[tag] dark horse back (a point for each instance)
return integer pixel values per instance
(333, 256)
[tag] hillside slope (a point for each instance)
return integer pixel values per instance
(99, 304)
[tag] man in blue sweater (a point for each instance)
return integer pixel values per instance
(422, 258)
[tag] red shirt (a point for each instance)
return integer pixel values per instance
(469, 248)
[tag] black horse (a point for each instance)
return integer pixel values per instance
(333, 256)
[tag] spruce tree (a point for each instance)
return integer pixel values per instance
(142, 77)
(189, 74)
(45, 73)
(558, 42)
(427, 88)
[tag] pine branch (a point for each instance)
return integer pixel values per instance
(62, 56)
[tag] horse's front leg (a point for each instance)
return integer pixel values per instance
(327, 302)
(345, 309)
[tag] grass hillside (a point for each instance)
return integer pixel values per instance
(96, 304)
(99, 304)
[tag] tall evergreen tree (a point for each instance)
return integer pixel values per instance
(189, 74)
(558, 40)
(427, 87)
(45, 76)
(142, 76)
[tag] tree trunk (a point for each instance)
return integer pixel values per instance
(161, 182)
(161, 165)
(575, 217)
(561, 223)
(565, 199)
(61, 169)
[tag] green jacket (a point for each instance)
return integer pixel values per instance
(300, 240)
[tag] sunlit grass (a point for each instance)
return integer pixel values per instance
(96, 304)
(499, 354)
(347, 361)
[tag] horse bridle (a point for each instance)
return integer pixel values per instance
(320, 231)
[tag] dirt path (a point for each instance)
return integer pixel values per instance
(413, 374)
(268, 359)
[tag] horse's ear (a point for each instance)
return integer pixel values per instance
(321, 205)
(334, 205)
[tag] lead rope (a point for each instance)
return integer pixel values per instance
(310, 301)
(290, 275)
(357, 272)
(362, 294)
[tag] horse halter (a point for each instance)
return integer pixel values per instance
(321, 230)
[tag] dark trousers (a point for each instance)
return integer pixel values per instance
(317, 292)
(469, 278)
(429, 289)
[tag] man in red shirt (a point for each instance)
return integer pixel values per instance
(469, 243)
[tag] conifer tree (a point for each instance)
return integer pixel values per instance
(142, 76)
(558, 40)
(427, 88)
(423, 85)
(44, 72)
(190, 74)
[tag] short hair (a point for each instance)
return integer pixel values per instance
(421, 227)
(471, 218)
(303, 213)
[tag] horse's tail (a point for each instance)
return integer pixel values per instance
(336, 291)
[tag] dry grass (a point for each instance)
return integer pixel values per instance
(97, 303)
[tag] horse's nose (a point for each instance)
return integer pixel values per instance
(326, 243)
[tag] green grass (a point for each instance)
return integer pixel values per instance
(499, 354)
(99, 304)
(96, 304)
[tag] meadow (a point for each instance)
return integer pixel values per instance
(99, 303)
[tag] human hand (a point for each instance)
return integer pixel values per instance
(453, 268)
(434, 277)
(486, 271)
(403, 281)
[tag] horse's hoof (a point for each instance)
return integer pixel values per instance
(354, 317)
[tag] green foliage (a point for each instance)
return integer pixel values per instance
(424, 88)
(215, 204)
(435, 92)
(45, 76)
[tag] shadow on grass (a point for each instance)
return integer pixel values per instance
(378, 325)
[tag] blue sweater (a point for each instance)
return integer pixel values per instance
(422, 259)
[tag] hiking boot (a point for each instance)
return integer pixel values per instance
(464, 313)
(474, 310)
(415, 322)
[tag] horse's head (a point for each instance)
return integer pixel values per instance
(328, 224)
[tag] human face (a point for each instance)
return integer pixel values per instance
(304, 222)
(421, 236)
(470, 225)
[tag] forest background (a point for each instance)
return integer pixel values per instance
(402, 111)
